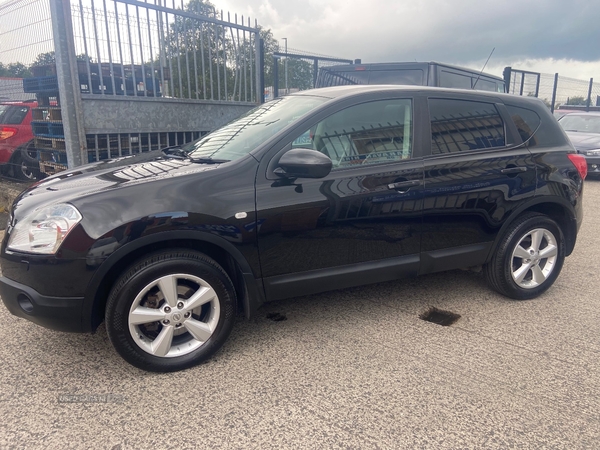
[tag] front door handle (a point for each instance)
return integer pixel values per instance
(514, 169)
(404, 186)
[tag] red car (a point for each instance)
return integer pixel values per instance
(18, 157)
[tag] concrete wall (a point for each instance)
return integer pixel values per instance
(112, 114)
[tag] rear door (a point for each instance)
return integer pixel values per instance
(475, 176)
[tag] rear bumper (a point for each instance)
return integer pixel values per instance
(56, 313)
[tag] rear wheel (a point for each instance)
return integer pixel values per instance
(528, 259)
(170, 311)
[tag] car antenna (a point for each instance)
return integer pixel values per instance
(483, 68)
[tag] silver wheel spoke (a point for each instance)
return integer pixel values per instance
(200, 297)
(538, 275)
(520, 252)
(199, 330)
(549, 251)
(162, 343)
(141, 315)
(168, 287)
(536, 239)
(520, 273)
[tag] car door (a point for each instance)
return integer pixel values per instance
(475, 176)
(359, 224)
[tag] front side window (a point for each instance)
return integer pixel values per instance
(459, 125)
(369, 133)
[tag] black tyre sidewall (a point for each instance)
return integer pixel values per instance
(129, 286)
(508, 286)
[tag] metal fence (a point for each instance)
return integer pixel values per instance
(294, 70)
(154, 49)
(555, 90)
(118, 77)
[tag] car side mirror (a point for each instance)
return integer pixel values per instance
(303, 163)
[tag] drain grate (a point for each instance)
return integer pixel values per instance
(276, 317)
(439, 316)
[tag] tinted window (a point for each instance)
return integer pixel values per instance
(375, 132)
(527, 122)
(454, 80)
(411, 77)
(485, 85)
(12, 114)
(329, 77)
(458, 125)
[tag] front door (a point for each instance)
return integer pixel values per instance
(359, 224)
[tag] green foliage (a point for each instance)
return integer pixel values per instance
(44, 59)
(14, 70)
(578, 100)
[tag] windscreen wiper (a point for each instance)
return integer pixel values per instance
(209, 160)
(175, 152)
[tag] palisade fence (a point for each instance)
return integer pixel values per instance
(555, 90)
(118, 77)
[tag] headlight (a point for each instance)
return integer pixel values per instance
(45, 230)
(594, 152)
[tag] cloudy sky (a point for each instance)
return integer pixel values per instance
(541, 35)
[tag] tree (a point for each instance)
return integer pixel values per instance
(14, 70)
(44, 59)
(578, 100)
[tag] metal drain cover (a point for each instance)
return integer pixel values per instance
(439, 316)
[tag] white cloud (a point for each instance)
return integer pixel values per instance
(544, 35)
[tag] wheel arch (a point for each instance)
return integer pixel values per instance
(248, 289)
(558, 209)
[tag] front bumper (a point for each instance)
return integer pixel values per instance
(56, 313)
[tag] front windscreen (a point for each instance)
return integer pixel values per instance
(244, 134)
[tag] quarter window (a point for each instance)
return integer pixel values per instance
(370, 133)
(458, 126)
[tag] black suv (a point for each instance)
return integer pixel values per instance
(321, 190)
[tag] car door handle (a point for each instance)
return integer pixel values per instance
(403, 186)
(514, 170)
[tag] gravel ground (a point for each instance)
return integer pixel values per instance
(347, 369)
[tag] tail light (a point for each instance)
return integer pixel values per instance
(580, 164)
(6, 132)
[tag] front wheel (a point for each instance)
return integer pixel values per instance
(170, 311)
(528, 259)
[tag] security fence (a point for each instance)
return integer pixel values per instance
(108, 78)
(296, 70)
(555, 90)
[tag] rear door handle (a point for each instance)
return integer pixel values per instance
(514, 170)
(403, 186)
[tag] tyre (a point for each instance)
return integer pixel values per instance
(171, 310)
(528, 258)
(21, 169)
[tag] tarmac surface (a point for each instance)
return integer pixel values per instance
(347, 369)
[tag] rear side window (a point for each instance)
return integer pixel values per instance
(459, 125)
(454, 80)
(12, 114)
(526, 121)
